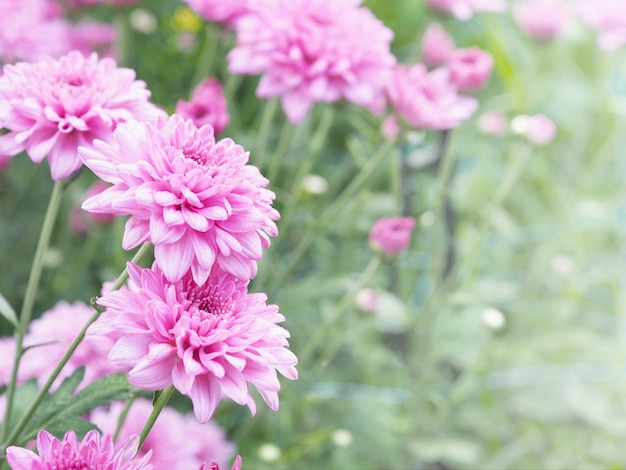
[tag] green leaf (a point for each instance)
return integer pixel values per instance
(7, 312)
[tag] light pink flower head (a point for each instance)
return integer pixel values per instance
(176, 441)
(93, 452)
(314, 50)
(470, 68)
(492, 123)
(538, 129)
(392, 235)
(195, 199)
(209, 341)
(608, 18)
(437, 45)
(427, 100)
(50, 107)
(542, 19)
(220, 11)
(465, 9)
(207, 106)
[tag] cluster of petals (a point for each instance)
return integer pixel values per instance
(195, 199)
(220, 11)
(608, 18)
(437, 45)
(470, 68)
(428, 100)
(392, 235)
(47, 340)
(206, 106)
(209, 341)
(314, 50)
(465, 9)
(177, 442)
(542, 19)
(51, 107)
(93, 452)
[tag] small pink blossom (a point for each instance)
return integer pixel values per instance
(492, 123)
(470, 68)
(437, 45)
(428, 100)
(209, 341)
(465, 9)
(90, 36)
(608, 18)
(176, 441)
(51, 107)
(314, 50)
(220, 11)
(542, 19)
(390, 127)
(392, 235)
(93, 452)
(538, 129)
(367, 300)
(195, 199)
(207, 106)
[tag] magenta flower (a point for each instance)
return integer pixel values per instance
(427, 100)
(93, 452)
(608, 18)
(52, 106)
(220, 11)
(196, 199)
(542, 19)
(176, 441)
(465, 9)
(392, 235)
(437, 45)
(209, 341)
(470, 68)
(314, 50)
(207, 106)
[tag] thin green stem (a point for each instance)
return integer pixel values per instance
(122, 419)
(31, 293)
(206, 56)
(267, 118)
(156, 411)
(281, 151)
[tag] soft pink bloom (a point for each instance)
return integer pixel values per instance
(392, 235)
(214, 466)
(195, 199)
(48, 338)
(220, 11)
(90, 36)
(52, 106)
(608, 17)
(390, 127)
(207, 106)
(437, 45)
(177, 442)
(93, 452)
(464, 9)
(542, 19)
(470, 68)
(367, 300)
(492, 123)
(314, 50)
(427, 100)
(209, 341)
(538, 129)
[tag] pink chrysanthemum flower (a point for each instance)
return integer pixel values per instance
(608, 18)
(428, 100)
(207, 106)
(314, 50)
(470, 68)
(392, 235)
(209, 341)
(465, 9)
(177, 442)
(196, 199)
(220, 11)
(52, 106)
(542, 19)
(437, 45)
(93, 452)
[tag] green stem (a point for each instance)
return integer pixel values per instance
(122, 419)
(267, 118)
(158, 407)
(281, 151)
(206, 56)
(31, 293)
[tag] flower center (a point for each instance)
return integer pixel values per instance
(207, 303)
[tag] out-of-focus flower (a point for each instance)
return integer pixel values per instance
(542, 19)
(143, 21)
(314, 50)
(220, 11)
(207, 106)
(392, 235)
(209, 341)
(92, 452)
(492, 123)
(428, 100)
(48, 338)
(177, 442)
(390, 127)
(470, 68)
(465, 9)
(437, 45)
(51, 107)
(195, 199)
(269, 452)
(90, 36)
(4, 162)
(237, 464)
(367, 300)
(538, 129)
(608, 18)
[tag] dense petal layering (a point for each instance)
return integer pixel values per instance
(51, 107)
(209, 341)
(206, 106)
(392, 235)
(314, 50)
(196, 199)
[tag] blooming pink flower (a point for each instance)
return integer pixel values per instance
(195, 199)
(437, 45)
(427, 100)
(176, 441)
(538, 129)
(608, 17)
(464, 9)
(52, 106)
(314, 50)
(492, 123)
(219, 11)
(392, 235)
(470, 68)
(542, 19)
(209, 341)
(93, 452)
(207, 106)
